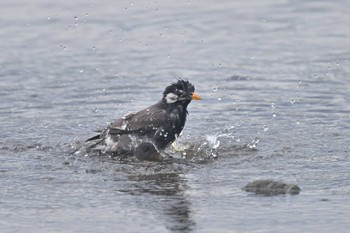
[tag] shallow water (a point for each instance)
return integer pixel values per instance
(274, 76)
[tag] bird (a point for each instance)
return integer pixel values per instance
(150, 130)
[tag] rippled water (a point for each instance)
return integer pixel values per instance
(274, 76)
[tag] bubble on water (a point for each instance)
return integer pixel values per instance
(292, 101)
(95, 110)
(274, 114)
(76, 18)
(219, 99)
(131, 3)
(266, 128)
(254, 143)
(273, 105)
(215, 89)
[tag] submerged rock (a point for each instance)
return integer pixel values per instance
(271, 188)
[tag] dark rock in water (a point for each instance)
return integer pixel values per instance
(271, 188)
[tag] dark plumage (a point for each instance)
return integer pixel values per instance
(157, 125)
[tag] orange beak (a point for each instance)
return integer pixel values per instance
(195, 96)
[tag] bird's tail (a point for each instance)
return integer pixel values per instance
(97, 137)
(94, 138)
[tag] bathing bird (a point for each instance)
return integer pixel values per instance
(152, 129)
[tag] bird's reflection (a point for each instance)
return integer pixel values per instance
(171, 200)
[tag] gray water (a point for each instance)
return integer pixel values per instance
(274, 76)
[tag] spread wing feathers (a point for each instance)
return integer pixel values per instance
(149, 119)
(142, 122)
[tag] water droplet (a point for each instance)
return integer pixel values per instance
(79, 125)
(274, 114)
(213, 141)
(81, 71)
(266, 128)
(292, 101)
(76, 18)
(252, 58)
(254, 143)
(95, 110)
(131, 3)
(273, 105)
(215, 89)
(219, 99)
(87, 14)
(48, 18)
(93, 48)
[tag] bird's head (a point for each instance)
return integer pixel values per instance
(180, 92)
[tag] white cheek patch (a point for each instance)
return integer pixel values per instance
(171, 98)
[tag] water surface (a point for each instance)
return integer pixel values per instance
(274, 76)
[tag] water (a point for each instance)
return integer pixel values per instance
(274, 76)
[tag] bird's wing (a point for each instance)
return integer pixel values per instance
(149, 119)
